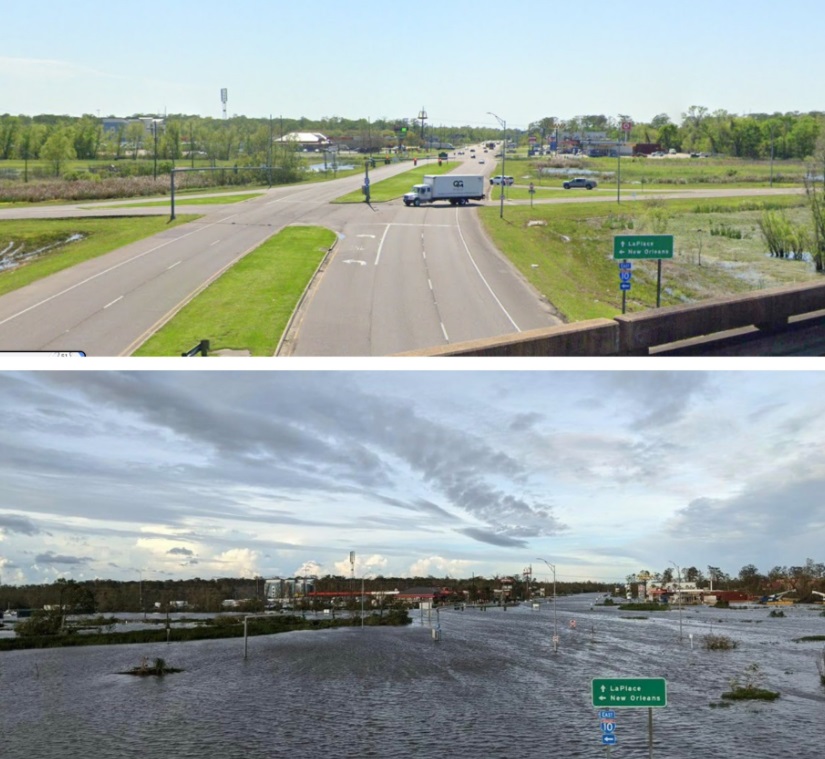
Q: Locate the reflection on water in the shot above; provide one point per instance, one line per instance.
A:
(491, 687)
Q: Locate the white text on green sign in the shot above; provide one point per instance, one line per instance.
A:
(625, 693)
(642, 246)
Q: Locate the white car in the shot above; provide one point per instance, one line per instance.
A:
(501, 179)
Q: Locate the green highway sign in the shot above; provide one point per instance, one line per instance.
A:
(629, 692)
(639, 247)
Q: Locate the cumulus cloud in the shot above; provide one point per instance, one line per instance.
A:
(439, 566)
(239, 562)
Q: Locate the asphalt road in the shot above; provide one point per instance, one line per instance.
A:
(425, 273)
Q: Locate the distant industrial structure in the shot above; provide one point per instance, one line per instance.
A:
(280, 590)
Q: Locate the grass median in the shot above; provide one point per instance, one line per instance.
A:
(566, 250)
(395, 187)
(182, 200)
(67, 242)
(248, 307)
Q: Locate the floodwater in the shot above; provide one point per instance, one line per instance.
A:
(491, 687)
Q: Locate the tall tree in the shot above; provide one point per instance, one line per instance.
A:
(58, 149)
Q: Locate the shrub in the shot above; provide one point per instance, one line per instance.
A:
(748, 686)
(719, 643)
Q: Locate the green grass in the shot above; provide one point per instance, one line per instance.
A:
(211, 200)
(568, 255)
(101, 236)
(395, 187)
(642, 174)
(249, 306)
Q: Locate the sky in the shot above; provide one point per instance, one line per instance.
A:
(523, 59)
(448, 473)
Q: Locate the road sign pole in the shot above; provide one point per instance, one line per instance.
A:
(650, 733)
(624, 299)
(659, 283)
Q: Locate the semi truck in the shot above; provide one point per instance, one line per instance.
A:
(455, 188)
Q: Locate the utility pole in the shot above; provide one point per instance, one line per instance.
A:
(271, 137)
(679, 591)
(155, 132)
(555, 622)
(503, 157)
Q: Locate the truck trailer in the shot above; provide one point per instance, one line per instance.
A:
(455, 188)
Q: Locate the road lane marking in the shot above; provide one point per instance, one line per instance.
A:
(430, 283)
(444, 332)
(112, 303)
(381, 244)
(211, 244)
(174, 265)
(105, 271)
(486, 283)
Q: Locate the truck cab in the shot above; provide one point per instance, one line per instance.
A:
(421, 193)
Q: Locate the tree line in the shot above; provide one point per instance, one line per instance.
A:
(109, 596)
(757, 135)
(804, 579)
(248, 140)
(105, 596)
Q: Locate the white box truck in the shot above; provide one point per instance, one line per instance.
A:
(456, 188)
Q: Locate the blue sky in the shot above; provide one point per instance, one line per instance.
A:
(442, 473)
(524, 59)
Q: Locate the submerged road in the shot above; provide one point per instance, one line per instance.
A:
(398, 279)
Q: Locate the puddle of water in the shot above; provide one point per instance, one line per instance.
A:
(12, 257)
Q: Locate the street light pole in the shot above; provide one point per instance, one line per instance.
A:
(555, 625)
(155, 131)
(679, 581)
(503, 157)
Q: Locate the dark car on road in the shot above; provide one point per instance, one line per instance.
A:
(588, 184)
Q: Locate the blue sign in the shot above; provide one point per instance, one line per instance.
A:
(624, 285)
(625, 276)
(608, 726)
(367, 181)
(625, 264)
(607, 714)
(609, 740)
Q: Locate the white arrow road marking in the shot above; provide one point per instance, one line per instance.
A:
(355, 261)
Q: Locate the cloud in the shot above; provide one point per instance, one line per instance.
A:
(180, 552)
(239, 562)
(52, 558)
(525, 422)
(494, 539)
(14, 523)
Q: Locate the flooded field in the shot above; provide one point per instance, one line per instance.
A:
(492, 686)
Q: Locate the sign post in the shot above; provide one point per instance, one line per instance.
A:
(611, 693)
(532, 192)
(628, 248)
